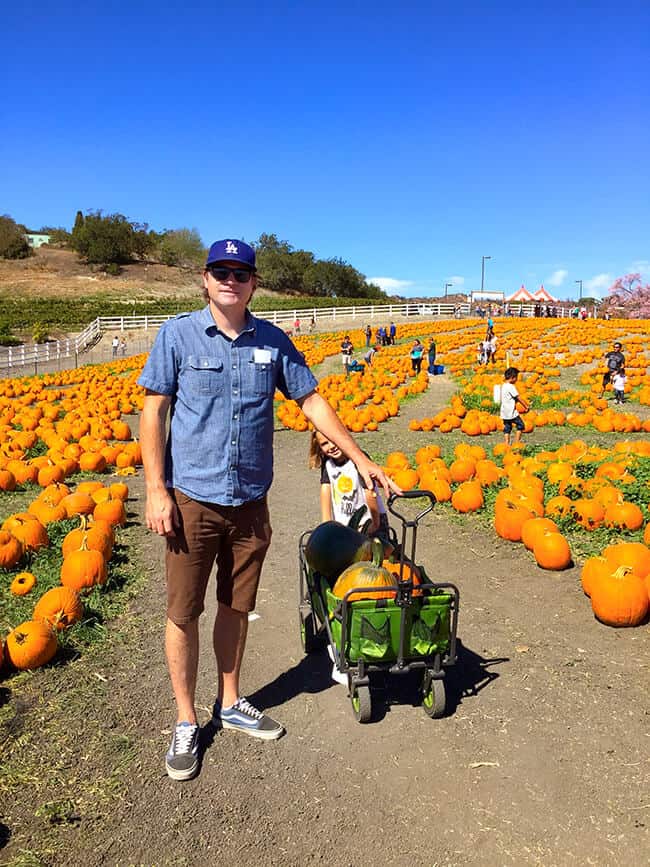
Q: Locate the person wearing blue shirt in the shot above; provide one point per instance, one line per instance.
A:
(214, 373)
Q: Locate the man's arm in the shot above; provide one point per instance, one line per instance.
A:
(324, 419)
(160, 509)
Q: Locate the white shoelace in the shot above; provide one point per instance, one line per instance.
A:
(246, 707)
(183, 738)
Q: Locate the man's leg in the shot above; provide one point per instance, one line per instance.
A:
(182, 649)
(229, 639)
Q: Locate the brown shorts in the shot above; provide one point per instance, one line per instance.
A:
(237, 537)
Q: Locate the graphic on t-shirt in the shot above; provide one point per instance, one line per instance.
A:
(345, 484)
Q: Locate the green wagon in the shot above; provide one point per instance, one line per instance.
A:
(414, 630)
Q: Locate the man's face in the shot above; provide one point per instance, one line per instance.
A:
(229, 284)
(617, 347)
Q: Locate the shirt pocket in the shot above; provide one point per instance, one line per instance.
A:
(263, 377)
(204, 374)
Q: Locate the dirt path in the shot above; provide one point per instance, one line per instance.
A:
(542, 759)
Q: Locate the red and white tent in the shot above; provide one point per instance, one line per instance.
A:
(543, 295)
(521, 294)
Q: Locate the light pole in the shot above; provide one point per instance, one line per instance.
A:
(579, 282)
(483, 258)
(447, 285)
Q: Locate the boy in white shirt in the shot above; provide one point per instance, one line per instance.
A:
(510, 400)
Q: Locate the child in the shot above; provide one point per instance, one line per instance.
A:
(618, 381)
(480, 352)
(342, 490)
(510, 400)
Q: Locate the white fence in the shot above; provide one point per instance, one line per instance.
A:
(28, 358)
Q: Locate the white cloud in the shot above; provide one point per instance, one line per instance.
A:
(600, 281)
(642, 266)
(557, 278)
(390, 284)
(457, 281)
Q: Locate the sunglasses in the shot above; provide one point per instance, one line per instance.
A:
(241, 275)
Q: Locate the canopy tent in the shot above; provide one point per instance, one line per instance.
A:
(521, 294)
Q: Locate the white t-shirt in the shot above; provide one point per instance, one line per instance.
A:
(618, 381)
(508, 395)
(347, 491)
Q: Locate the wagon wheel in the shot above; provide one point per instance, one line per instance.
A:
(308, 631)
(361, 703)
(433, 697)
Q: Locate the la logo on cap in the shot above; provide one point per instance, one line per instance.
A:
(231, 248)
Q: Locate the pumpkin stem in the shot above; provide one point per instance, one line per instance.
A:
(377, 552)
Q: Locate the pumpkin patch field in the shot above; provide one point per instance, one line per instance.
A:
(542, 757)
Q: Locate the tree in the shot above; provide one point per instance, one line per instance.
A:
(102, 239)
(145, 240)
(78, 221)
(182, 247)
(629, 298)
(13, 242)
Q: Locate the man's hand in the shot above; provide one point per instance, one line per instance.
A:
(161, 513)
(372, 472)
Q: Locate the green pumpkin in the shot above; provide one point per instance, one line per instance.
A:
(332, 547)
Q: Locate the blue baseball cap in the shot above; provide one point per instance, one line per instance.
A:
(235, 251)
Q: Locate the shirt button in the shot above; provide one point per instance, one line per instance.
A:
(235, 417)
(234, 442)
(234, 367)
(234, 391)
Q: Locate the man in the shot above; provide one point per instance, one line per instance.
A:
(392, 332)
(215, 372)
(115, 342)
(615, 361)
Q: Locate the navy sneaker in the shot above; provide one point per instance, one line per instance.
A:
(182, 759)
(243, 717)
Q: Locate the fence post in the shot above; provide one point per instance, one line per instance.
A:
(146, 323)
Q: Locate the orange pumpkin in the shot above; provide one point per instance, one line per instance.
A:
(83, 569)
(468, 497)
(22, 583)
(532, 528)
(620, 599)
(31, 645)
(552, 551)
(368, 575)
(11, 549)
(624, 516)
(60, 607)
(634, 555)
(593, 570)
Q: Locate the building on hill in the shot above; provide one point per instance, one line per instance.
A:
(36, 239)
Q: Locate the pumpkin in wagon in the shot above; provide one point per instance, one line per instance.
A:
(368, 575)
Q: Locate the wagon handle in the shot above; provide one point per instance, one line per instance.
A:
(411, 495)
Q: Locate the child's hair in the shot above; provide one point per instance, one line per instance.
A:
(621, 371)
(315, 453)
(511, 373)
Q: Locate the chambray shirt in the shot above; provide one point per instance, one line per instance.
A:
(220, 443)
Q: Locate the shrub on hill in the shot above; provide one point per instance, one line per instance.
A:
(13, 243)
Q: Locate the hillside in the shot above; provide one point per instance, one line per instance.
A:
(60, 274)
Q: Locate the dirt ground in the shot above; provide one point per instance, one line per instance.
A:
(542, 758)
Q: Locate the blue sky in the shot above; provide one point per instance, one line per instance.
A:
(409, 140)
